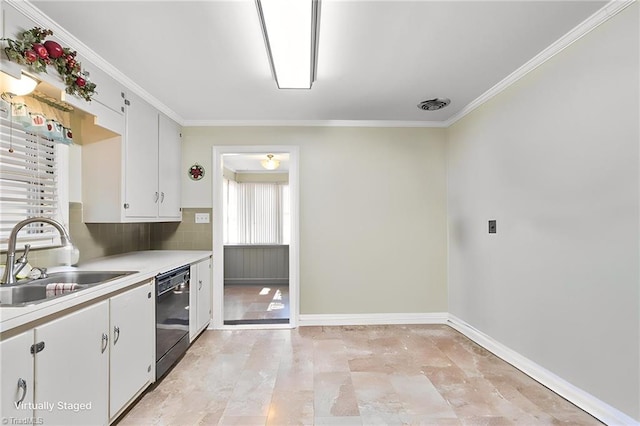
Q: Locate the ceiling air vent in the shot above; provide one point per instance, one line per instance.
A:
(434, 104)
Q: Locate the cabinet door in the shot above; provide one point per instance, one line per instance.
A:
(204, 293)
(72, 370)
(16, 364)
(141, 159)
(169, 151)
(132, 351)
(193, 302)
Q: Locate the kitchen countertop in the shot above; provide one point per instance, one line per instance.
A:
(147, 263)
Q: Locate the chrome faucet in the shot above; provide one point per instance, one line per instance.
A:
(12, 267)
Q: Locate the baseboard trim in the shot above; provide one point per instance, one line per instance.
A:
(372, 319)
(589, 403)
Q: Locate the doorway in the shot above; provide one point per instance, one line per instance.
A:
(255, 250)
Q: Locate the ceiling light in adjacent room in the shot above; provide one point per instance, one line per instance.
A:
(270, 163)
(290, 30)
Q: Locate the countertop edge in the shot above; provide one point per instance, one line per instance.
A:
(147, 263)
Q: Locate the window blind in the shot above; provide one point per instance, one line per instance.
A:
(260, 213)
(28, 185)
(256, 213)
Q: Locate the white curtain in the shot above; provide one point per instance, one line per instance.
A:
(256, 213)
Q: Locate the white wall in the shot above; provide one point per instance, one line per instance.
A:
(555, 160)
(372, 213)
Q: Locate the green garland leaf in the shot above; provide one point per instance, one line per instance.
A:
(21, 51)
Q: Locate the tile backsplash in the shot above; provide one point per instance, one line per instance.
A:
(105, 239)
(185, 235)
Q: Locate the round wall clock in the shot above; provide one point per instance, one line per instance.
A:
(196, 172)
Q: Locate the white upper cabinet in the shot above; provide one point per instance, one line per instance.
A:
(136, 177)
(141, 159)
(169, 155)
(130, 173)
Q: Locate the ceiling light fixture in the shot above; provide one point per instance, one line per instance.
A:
(270, 163)
(290, 30)
(11, 86)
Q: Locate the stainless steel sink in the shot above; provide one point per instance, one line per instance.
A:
(35, 291)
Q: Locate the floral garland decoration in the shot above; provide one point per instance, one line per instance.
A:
(32, 50)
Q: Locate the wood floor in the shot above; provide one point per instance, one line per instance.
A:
(246, 303)
(356, 375)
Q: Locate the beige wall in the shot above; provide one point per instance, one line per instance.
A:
(558, 170)
(372, 212)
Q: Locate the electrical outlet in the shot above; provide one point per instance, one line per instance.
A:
(492, 226)
(202, 217)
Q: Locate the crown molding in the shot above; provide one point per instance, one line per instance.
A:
(604, 14)
(312, 123)
(36, 15)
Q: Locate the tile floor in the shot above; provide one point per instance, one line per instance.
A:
(356, 375)
(256, 302)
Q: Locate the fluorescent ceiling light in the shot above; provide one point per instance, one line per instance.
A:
(290, 33)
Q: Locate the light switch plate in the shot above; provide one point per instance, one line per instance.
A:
(202, 217)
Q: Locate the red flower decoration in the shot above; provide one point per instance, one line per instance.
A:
(196, 172)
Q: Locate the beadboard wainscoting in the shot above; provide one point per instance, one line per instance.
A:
(256, 264)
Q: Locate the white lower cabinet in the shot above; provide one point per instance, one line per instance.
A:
(16, 386)
(132, 345)
(199, 297)
(84, 367)
(72, 368)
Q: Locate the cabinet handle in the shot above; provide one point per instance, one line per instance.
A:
(155, 200)
(22, 384)
(116, 335)
(200, 286)
(105, 342)
(162, 197)
(38, 347)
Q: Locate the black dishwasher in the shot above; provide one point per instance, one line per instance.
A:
(172, 317)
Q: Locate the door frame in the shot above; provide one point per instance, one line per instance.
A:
(218, 232)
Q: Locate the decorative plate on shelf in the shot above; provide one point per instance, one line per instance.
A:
(196, 172)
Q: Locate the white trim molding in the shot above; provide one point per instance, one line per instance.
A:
(601, 16)
(612, 8)
(589, 403)
(218, 228)
(372, 319)
(313, 123)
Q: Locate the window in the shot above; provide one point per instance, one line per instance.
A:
(256, 213)
(30, 183)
